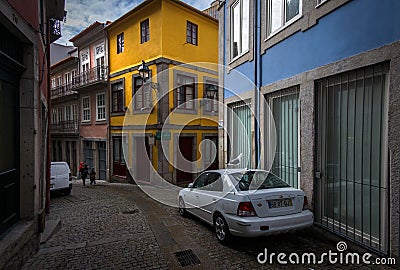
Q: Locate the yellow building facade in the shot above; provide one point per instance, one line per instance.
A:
(160, 126)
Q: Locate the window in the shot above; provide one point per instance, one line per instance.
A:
(281, 13)
(67, 81)
(73, 76)
(100, 107)
(85, 60)
(85, 109)
(60, 114)
(88, 153)
(239, 139)
(139, 95)
(54, 119)
(120, 43)
(59, 81)
(53, 83)
(285, 107)
(185, 92)
(144, 31)
(240, 24)
(117, 97)
(75, 115)
(201, 181)
(100, 62)
(68, 113)
(191, 33)
(67, 78)
(85, 72)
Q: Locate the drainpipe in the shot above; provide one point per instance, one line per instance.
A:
(222, 73)
(48, 158)
(257, 80)
(109, 139)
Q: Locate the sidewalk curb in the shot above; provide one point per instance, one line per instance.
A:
(51, 227)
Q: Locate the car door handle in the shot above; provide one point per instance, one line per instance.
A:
(197, 196)
(214, 199)
(52, 178)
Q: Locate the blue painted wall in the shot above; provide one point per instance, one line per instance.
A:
(358, 26)
(240, 79)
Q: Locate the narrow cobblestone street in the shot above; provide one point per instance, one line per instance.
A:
(116, 226)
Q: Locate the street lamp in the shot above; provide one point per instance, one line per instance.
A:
(211, 92)
(144, 71)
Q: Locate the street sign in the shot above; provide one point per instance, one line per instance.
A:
(163, 135)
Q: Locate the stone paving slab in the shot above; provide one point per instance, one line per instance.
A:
(116, 226)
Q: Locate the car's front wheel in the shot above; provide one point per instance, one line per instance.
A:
(182, 209)
(221, 229)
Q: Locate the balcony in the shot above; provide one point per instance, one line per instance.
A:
(62, 91)
(92, 76)
(70, 126)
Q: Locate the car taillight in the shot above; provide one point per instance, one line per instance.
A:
(246, 209)
(305, 203)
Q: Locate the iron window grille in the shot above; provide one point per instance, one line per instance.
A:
(352, 181)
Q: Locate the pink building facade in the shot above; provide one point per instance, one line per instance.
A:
(91, 84)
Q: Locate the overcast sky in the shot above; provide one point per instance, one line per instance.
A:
(82, 13)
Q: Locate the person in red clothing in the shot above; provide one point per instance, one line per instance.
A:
(84, 173)
(81, 165)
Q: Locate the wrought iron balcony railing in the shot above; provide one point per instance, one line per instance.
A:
(94, 75)
(63, 90)
(69, 126)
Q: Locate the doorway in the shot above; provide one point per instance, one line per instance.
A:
(9, 145)
(143, 162)
(184, 161)
(352, 196)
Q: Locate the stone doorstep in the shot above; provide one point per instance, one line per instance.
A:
(51, 227)
(14, 241)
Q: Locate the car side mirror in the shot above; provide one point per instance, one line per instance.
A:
(190, 185)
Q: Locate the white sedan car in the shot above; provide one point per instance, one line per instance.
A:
(245, 202)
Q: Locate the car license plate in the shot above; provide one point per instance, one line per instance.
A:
(280, 203)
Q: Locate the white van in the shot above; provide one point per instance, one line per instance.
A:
(60, 179)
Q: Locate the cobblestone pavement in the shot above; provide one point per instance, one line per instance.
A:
(115, 226)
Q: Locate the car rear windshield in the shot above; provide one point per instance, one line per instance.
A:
(254, 180)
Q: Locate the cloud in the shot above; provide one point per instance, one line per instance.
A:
(82, 13)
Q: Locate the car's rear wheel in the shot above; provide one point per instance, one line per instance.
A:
(221, 229)
(182, 209)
